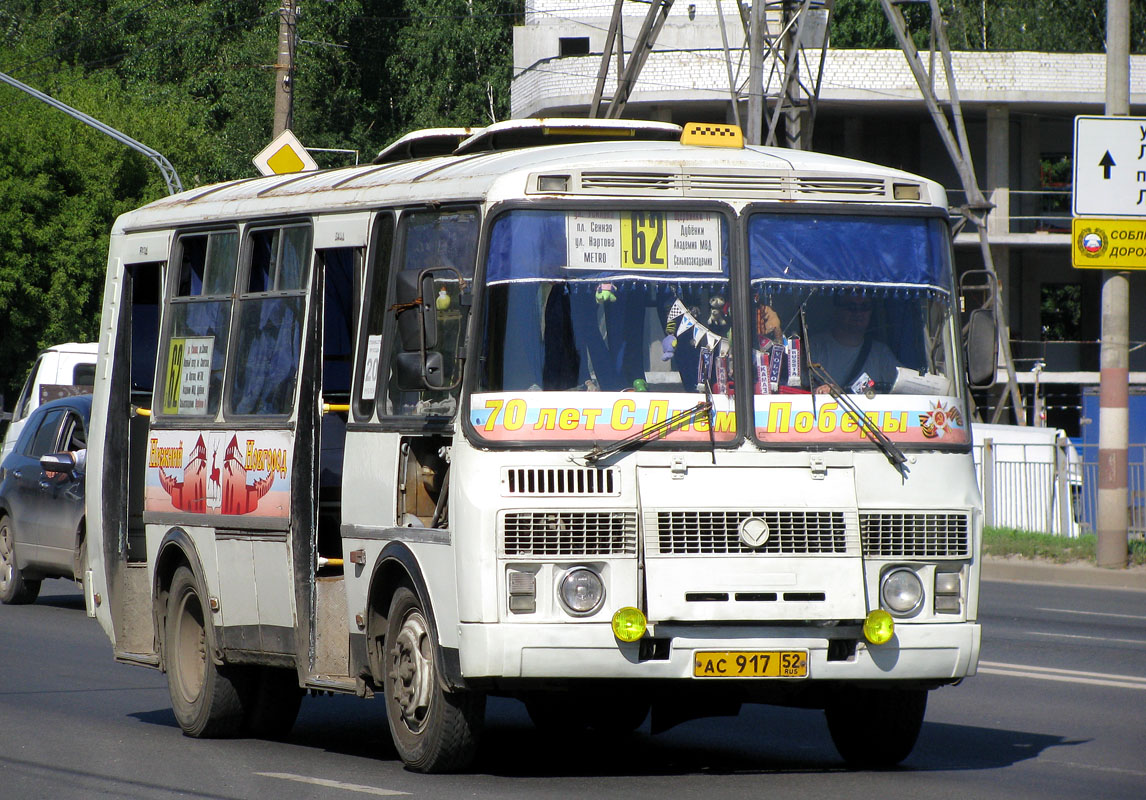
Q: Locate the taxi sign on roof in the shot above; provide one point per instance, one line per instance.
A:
(284, 155)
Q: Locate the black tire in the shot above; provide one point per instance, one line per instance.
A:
(206, 699)
(271, 702)
(15, 589)
(433, 730)
(876, 728)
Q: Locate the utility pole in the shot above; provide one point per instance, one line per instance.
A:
(756, 74)
(284, 68)
(1114, 355)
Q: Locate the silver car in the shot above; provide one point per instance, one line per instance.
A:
(42, 500)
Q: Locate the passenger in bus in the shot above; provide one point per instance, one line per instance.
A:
(849, 351)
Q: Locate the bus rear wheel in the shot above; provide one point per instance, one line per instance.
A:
(434, 730)
(876, 728)
(206, 699)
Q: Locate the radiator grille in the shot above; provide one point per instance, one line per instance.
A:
(717, 533)
(897, 535)
(569, 533)
(567, 481)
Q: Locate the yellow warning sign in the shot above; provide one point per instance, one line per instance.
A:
(283, 156)
(1098, 243)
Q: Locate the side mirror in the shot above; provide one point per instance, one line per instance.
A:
(413, 374)
(982, 340)
(417, 317)
(58, 462)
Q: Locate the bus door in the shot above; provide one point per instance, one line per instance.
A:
(326, 387)
(255, 468)
(118, 447)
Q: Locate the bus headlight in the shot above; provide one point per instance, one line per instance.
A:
(901, 591)
(582, 591)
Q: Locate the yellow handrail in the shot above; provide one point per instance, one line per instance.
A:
(142, 412)
(329, 407)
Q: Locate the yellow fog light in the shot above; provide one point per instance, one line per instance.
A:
(878, 627)
(629, 624)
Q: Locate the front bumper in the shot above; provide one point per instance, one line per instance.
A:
(929, 652)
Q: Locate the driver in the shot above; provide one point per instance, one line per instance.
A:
(848, 351)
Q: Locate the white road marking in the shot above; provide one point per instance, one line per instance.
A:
(1092, 613)
(1062, 675)
(350, 787)
(1090, 638)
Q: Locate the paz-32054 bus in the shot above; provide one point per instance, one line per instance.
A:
(590, 414)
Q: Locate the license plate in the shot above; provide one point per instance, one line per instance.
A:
(750, 664)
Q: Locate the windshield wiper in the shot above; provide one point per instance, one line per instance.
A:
(890, 449)
(646, 435)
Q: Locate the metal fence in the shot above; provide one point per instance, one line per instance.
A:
(1031, 486)
(1135, 489)
(1053, 488)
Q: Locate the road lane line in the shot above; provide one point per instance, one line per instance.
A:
(1091, 613)
(1090, 638)
(1062, 675)
(350, 787)
(1104, 675)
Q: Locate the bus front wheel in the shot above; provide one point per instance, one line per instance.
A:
(876, 728)
(434, 730)
(206, 698)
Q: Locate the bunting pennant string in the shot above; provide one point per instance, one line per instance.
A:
(686, 321)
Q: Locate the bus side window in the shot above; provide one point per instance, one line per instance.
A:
(268, 338)
(442, 240)
(200, 322)
(374, 316)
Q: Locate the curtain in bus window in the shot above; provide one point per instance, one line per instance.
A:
(267, 355)
(337, 321)
(822, 249)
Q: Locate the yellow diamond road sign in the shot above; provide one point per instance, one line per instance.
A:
(284, 155)
(1108, 243)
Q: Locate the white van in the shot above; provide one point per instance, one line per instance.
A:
(59, 371)
(1036, 480)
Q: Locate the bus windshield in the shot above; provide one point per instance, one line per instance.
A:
(858, 305)
(626, 314)
(601, 324)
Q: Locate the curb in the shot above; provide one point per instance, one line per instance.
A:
(1023, 570)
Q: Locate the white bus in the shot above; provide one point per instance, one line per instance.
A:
(550, 417)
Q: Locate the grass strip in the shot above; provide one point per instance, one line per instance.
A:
(1047, 546)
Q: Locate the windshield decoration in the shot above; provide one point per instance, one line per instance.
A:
(576, 416)
(901, 418)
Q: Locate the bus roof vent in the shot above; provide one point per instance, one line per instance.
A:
(835, 187)
(564, 481)
(534, 132)
(424, 144)
(630, 182)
